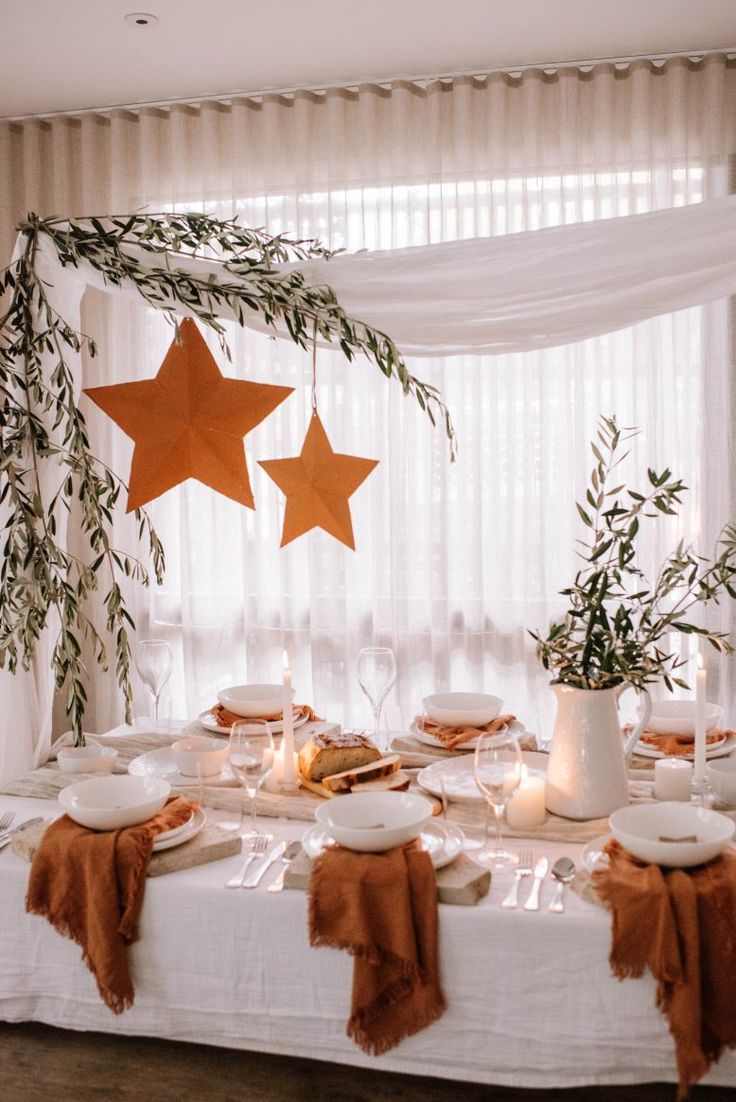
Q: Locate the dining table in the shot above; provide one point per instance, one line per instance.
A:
(531, 1001)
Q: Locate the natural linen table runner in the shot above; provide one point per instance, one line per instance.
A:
(681, 924)
(90, 886)
(382, 909)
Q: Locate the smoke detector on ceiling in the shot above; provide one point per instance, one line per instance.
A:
(140, 19)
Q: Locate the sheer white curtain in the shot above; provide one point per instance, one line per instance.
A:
(453, 562)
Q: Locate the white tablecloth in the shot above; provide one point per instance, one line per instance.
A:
(531, 1001)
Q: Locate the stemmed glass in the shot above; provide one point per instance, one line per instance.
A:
(154, 661)
(251, 759)
(376, 677)
(497, 766)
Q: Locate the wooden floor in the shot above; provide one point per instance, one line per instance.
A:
(41, 1064)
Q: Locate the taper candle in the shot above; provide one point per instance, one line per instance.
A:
(287, 744)
(699, 764)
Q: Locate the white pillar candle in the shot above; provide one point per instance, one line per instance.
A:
(525, 808)
(275, 779)
(699, 773)
(287, 744)
(672, 779)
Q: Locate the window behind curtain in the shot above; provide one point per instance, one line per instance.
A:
(454, 562)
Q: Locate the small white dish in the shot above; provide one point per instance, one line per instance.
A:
(640, 827)
(209, 722)
(253, 700)
(721, 775)
(677, 717)
(160, 763)
(459, 779)
(372, 822)
(443, 841)
(110, 803)
(725, 746)
(462, 709)
(91, 758)
(168, 839)
(199, 755)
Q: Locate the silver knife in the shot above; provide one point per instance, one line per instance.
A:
(253, 879)
(540, 871)
(290, 853)
(7, 837)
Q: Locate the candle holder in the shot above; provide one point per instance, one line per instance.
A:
(701, 793)
(275, 782)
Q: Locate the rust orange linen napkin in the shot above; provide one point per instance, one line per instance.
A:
(90, 885)
(452, 737)
(681, 924)
(382, 909)
(225, 718)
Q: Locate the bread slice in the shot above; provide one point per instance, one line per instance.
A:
(343, 782)
(397, 782)
(317, 787)
(335, 752)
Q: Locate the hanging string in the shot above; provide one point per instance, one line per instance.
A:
(314, 368)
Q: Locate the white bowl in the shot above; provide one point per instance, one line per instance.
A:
(209, 754)
(721, 774)
(253, 700)
(86, 759)
(639, 828)
(109, 803)
(677, 717)
(372, 822)
(462, 709)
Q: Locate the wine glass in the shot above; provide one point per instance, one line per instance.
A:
(251, 759)
(376, 677)
(497, 766)
(154, 661)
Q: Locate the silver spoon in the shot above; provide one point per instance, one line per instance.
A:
(563, 871)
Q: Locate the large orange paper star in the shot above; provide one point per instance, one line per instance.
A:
(317, 485)
(188, 422)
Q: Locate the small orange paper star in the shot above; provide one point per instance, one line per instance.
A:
(317, 485)
(188, 422)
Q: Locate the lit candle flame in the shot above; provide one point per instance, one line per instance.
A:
(700, 661)
(285, 659)
(524, 772)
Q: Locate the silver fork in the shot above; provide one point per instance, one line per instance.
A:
(524, 868)
(6, 820)
(257, 849)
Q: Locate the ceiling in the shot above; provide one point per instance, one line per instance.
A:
(57, 56)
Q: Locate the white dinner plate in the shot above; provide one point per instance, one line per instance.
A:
(166, 834)
(160, 763)
(460, 786)
(594, 858)
(716, 750)
(193, 827)
(517, 728)
(442, 841)
(209, 722)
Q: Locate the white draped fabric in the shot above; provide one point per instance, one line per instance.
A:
(454, 562)
(513, 293)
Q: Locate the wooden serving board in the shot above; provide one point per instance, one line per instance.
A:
(211, 844)
(463, 882)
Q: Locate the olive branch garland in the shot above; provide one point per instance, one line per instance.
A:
(42, 584)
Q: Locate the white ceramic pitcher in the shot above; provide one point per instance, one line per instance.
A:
(587, 771)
